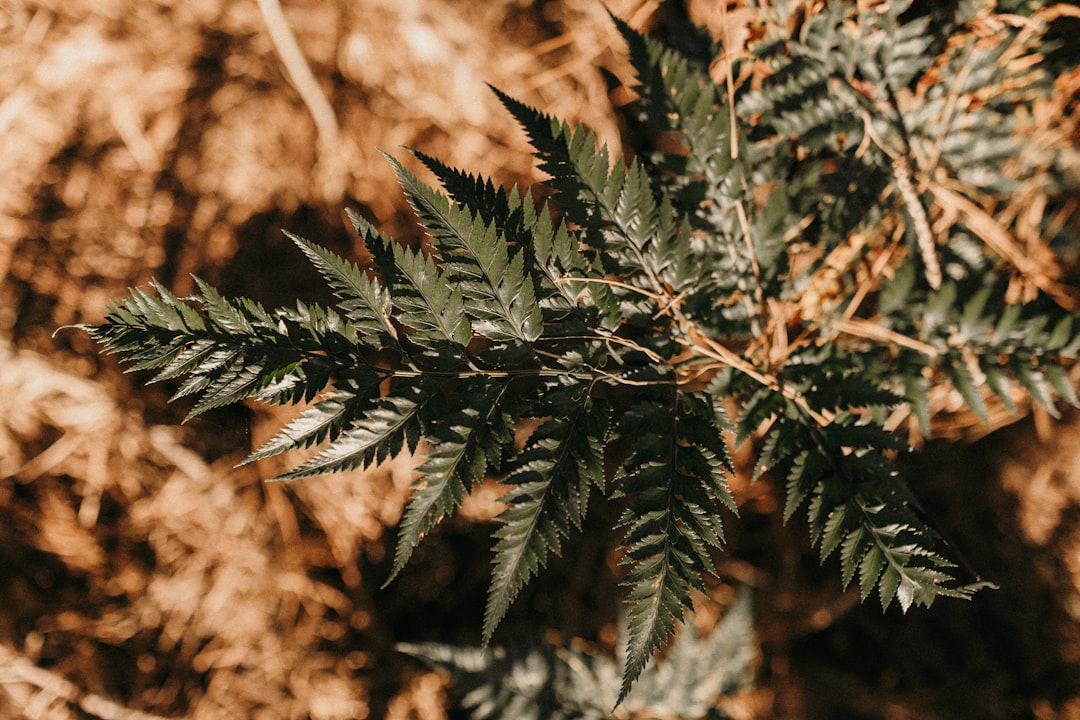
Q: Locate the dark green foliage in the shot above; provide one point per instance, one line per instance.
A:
(567, 683)
(780, 260)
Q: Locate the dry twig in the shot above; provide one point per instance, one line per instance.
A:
(322, 112)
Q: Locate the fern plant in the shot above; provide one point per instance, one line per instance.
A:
(554, 682)
(805, 242)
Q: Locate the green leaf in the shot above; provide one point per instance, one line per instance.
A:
(854, 546)
(938, 307)
(675, 477)
(1007, 322)
(917, 392)
(497, 292)
(1061, 335)
(433, 308)
(221, 313)
(556, 143)
(363, 300)
(973, 322)
(658, 596)
(807, 472)
(1034, 382)
(891, 583)
(835, 530)
(386, 427)
(491, 202)
(560, 465)
(870, 570)
(461, 449)
(964, 381)
(187, 359)
(326, 420)
(1059, 380)
(1000, 384)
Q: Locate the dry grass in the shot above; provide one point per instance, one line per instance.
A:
(197, 577)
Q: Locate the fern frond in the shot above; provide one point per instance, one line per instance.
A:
(429, 306)
(325, 421)
(231, 350)
(363, 299)
(981, 344)
(504, 683)
(675, 477)
(677, 93)
(858, 503)
(558, 469)
(572, 276)
(463, 442)
(570, 156)
(388, 426)
(546, 681)
(698, 671)
(497, 292)
(608, 197)
(771, 241)
(491, 202)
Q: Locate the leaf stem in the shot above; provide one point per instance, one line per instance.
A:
(702, 344)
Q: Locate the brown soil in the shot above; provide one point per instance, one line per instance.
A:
(145, 576)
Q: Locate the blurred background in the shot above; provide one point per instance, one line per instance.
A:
(143, 575)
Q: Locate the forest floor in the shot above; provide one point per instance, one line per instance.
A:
(143, 575)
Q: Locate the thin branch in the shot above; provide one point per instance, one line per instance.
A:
(902, 174)
(705, 346)
(656, 297)
(923, 233)
(322, 112)
(729, 82)
(614, 340)
(873, 331)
